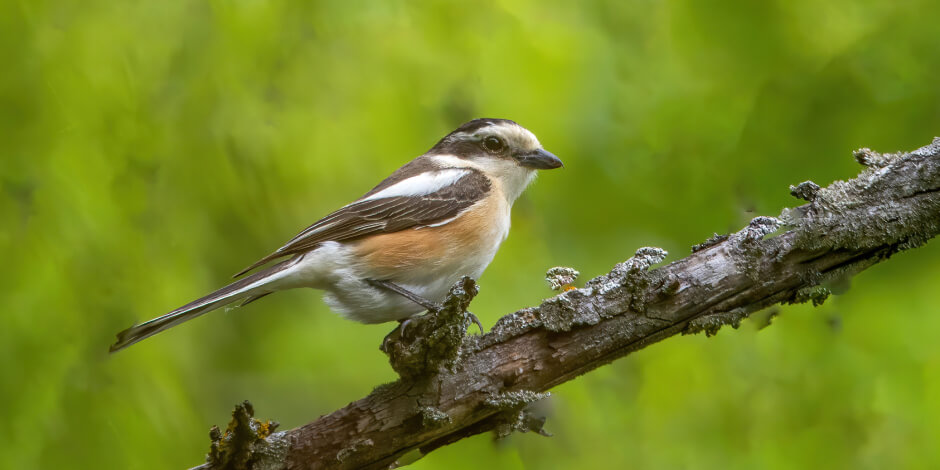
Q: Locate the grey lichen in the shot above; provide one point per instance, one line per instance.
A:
(747, 250)
(806, 191)
(644, 258)
(628, 281)
(895, 201)
(514, 400)
(558, 314)
(433, 342)
(757, 229)
(521, 421)
(561, 277)
(746, 246)
(517, 412)
(630, 273)
(247, 443)
(712, 241)
(511, 325)
(432, 417)
(710, 324)
(870, 158)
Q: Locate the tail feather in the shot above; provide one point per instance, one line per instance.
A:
(249, 288)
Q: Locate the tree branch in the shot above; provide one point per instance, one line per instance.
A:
(453, 386)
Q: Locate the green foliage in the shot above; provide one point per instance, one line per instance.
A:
(150, 149)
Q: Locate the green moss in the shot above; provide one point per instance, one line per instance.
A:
(247, 443)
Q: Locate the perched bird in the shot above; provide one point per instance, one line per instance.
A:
(396, 251)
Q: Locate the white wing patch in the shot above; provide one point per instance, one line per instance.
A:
(422, 184)
(418, 185)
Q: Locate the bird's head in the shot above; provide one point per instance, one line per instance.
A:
(503, 150)
(496, 142)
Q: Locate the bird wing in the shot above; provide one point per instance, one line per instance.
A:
(428, 198)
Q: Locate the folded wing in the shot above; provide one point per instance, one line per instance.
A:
(427, 198)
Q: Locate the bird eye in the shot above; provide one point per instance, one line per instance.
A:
(493, 144)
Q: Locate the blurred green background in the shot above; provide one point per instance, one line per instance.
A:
(151, 149)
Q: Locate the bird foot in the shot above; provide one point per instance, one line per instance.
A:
(475, 320)
(398, 332)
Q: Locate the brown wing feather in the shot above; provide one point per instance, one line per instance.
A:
(386, 215)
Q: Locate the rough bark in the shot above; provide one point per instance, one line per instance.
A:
(453, 386)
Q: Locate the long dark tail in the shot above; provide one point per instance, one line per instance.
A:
(249, 288)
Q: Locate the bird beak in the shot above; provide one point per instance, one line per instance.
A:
(540, 160)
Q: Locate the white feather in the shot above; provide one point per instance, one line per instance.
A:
(422, 184)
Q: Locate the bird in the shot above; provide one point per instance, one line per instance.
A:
(396, 251)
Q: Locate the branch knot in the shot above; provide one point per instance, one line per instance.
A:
(432, 342)
(247, 443)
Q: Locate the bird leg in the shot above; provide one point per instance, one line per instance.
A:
(427, 304)
(476, 320)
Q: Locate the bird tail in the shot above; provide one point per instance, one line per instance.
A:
(249, 288)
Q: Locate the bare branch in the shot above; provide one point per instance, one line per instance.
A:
(454, 386)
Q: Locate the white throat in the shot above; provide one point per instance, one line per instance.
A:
(509, 176)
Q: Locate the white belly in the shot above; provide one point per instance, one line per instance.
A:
(341, 271)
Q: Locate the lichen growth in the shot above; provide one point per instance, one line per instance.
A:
(711, 323)
(559, 314)
(712, 241)
(746, 246)
(622, 273)
(432, 417)
(561, 277)
(631, 278)
(816, 294)
(514, 400)
(628, 280)
(806, 191)
(870, 158)
(521, 421)
(757, 229)
(893, 202)
(515, 323)
(645, 257)
(517, 412)
(433, 342)
(247, 443)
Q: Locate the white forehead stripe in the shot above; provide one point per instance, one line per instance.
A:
(421, 184)
(519, 136)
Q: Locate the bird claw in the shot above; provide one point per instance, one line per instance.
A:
(400, 330)
(404, 324)
(438, 307)
(476, 320)
(432, 308)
